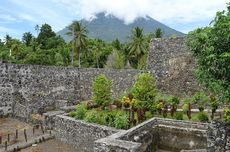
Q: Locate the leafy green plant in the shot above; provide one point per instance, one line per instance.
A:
(214, 105)
(187, 107)
(80, 111)
(201, 100)
(121, 122)
(101, 118)
(91, 116)
(227, 114)
(148, 115)
(179, 116)
(110, 117)
(202, 117)
(174, 101)
(144, 89)
(101, 87)
(160, 106)
(72, 114)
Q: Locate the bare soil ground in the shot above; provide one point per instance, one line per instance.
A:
(51, 146)
(8, 126)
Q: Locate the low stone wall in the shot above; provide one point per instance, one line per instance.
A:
(219, 137)
(156, 134)
(79, 133)
(152, 135)
(140, 138)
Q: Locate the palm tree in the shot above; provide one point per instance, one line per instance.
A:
(37, 28)
(137, 46)
(78, 32)
(27, 38)
(7, 40)
(158, 33)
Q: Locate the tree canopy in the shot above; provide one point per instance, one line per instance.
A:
(211, 48)
(47, 48)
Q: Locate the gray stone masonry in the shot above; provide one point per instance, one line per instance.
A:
(219, 137)
(26, 89)
(173, 65)
(79, 133)
(49, 119)
(151, 135)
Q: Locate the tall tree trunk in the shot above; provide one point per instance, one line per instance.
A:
(79, 57)
(73, 46)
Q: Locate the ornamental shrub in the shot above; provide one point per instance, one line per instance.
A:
(101, 87)
(227, 114)
(121, 122)
(80, 111)
(202, 117)
(91, 116)
(201, 100)
(144, 89)
(179, 116)
(72, 114)
(110, 117)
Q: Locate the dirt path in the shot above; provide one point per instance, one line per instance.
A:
(51, 146)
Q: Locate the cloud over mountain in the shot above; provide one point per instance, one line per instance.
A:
(183, 15)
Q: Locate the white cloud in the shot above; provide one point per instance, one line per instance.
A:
(180, 11)
(60, 13)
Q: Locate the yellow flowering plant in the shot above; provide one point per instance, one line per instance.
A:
(127, 102)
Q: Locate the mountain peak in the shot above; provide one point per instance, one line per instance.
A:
(108, 27)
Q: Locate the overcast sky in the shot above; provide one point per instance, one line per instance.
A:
(19, 16)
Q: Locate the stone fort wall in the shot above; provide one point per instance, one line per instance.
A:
(26, 89)
(173, 66)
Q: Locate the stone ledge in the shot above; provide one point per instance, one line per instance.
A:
(120, 142)
(195, 150)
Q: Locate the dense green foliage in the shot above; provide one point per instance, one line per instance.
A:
(210, 46)
(179, 116)
(227, 114)
(50, 49)
(121, 121)
(202, 117)
(144, 90)
(80, 112)
(116, 118)
(101, 88)
(201, 100)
